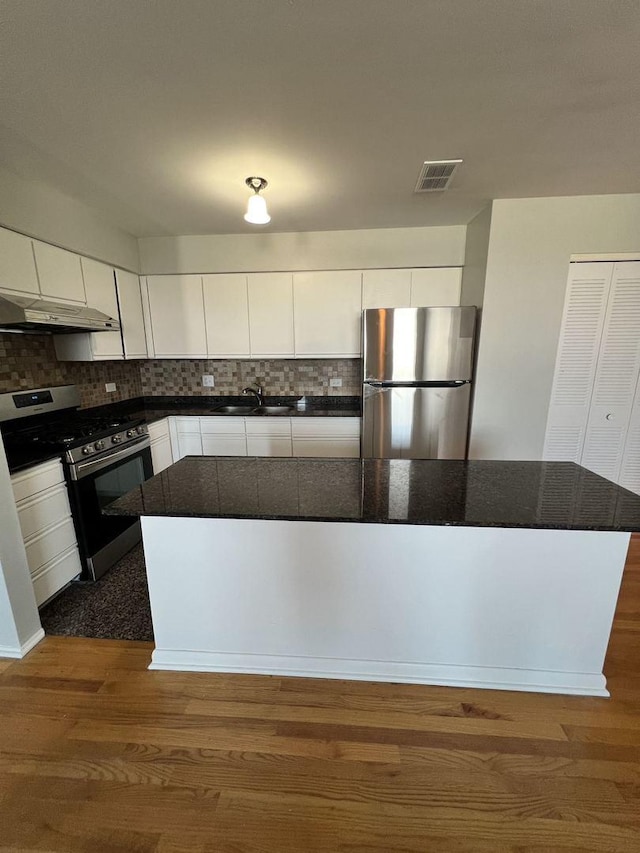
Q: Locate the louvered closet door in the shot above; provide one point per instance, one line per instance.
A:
(577, 358)
(616, 375)
(630, 467)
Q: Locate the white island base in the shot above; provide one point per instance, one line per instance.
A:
(516, 609)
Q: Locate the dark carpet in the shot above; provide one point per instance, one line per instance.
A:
(116, 607)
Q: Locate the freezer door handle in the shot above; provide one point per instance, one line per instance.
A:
(454, 383)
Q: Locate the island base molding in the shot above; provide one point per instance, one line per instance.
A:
(500, 608)
(487, 678)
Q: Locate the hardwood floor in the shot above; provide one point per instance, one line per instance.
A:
(98, 754)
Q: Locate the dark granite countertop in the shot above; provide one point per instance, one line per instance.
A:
(556, 495)
(20, 460)
(152, 409)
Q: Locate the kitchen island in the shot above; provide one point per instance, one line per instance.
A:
(478, 573)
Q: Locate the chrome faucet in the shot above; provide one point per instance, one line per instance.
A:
(257, 391)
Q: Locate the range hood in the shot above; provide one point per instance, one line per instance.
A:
(25, 314)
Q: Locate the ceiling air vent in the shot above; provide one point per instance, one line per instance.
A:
(436, 175)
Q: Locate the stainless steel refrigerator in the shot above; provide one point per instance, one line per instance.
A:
(417, 382)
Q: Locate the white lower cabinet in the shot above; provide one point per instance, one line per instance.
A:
(185, 437)
(47, 528)
(268, 436)
(223, 436)
(161, 453)
(262, 436)
(333, 437)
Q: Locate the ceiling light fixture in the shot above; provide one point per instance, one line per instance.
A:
(257, 212)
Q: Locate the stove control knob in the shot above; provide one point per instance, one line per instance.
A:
(99, 445)
(87, 450)
(131, 433)
(141, 430)
(116, 439)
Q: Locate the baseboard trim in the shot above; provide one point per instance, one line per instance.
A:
(33, 640)
(25, 648)
(444, 675)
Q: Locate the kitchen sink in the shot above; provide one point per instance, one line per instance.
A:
(272, 410)
(234, 410)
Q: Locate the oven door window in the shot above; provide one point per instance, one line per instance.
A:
(117, 481)
(94, 492)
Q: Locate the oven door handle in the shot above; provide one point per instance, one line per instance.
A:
(79, 470)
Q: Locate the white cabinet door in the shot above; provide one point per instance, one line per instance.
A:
(336, 437)
(59, 273)
(576, 360)
(328, 312)
(161, 455)
(616, 375)
(435, 286)
(271, 315)
(176, 312)
(131, 315)
(386, 289)
(226, 310)
(268, 436)
(100, 289)
(17, 264)
(189, 444)
(223, 436)
(329, 447)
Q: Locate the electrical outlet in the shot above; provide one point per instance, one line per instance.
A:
(335, 382)
(109, 387)
(208, 381)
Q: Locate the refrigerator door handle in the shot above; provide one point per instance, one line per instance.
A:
(453, 383)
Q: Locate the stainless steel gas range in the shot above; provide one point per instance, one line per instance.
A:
(104, 457)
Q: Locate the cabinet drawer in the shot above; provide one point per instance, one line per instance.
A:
(45, 510)
(222, 426)
(48, 545)
(37, 479)
(276, 426)
(224, 445)
(321, 427)
(329, 447)
(159, 429)
(56, 574)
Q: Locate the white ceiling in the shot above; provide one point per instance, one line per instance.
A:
(154, 111)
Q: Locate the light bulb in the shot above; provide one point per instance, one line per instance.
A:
(257, 212)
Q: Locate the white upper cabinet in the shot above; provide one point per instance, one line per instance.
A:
(271, 315)
(17, 264)
(434, 286)
(131, 315)
(100, 288)
(176, 313)
(226, 309)
(328, 311)
(59, 273)
(386, 289)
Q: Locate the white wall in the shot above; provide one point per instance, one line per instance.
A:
(305, 250)
(19, 620)
(43, 212)
(475, 259)
(530, 244)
